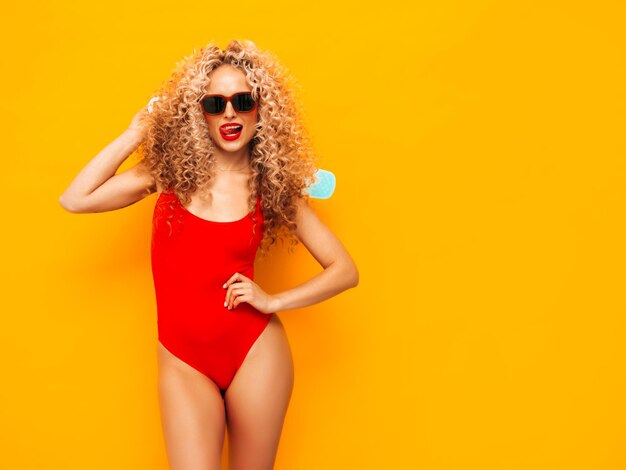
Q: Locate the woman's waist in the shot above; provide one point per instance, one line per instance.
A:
(203, 311)
(209, 273)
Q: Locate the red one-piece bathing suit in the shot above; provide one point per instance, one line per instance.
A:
(191, 259)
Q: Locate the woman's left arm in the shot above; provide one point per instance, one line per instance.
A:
(340, 273)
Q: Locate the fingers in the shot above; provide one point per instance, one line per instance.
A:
(235, 296)
(233, 293)
(237, 285)
(245, 297)
(233, 278)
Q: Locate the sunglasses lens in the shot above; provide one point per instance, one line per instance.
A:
(243, 102)
(213, 104)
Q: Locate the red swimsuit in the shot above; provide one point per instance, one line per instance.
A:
(191, 260)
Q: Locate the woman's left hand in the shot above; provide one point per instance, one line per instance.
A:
(243, 289)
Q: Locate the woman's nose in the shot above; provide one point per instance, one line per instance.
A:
(229, 111)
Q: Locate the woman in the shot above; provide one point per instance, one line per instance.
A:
(224, 139)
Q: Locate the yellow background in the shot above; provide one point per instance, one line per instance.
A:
(479, 155)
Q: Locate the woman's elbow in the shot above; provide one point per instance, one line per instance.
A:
(346, 272)
(70, 204)
(353, 275)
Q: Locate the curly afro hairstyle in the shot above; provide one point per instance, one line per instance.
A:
(178, 150)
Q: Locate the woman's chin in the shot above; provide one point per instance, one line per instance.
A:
(231, 145)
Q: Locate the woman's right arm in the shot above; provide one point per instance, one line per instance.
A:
(98, 189)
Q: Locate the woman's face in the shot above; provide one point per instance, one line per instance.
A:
(227, 80)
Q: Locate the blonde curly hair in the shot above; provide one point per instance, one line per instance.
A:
(178, 151)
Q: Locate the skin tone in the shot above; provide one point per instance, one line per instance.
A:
(194, 415)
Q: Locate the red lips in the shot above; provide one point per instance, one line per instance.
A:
(231, 131)
(226, 128)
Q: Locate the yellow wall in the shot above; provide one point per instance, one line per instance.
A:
(479, 154)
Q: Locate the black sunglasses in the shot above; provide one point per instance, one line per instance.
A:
(216, 104)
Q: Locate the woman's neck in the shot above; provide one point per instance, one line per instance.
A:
(236, 161)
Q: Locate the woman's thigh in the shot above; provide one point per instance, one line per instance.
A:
(192, 415)
(257, 400)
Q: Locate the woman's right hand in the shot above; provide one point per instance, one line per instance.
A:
(137, 125)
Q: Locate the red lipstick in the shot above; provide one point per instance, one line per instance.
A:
(231, 131)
